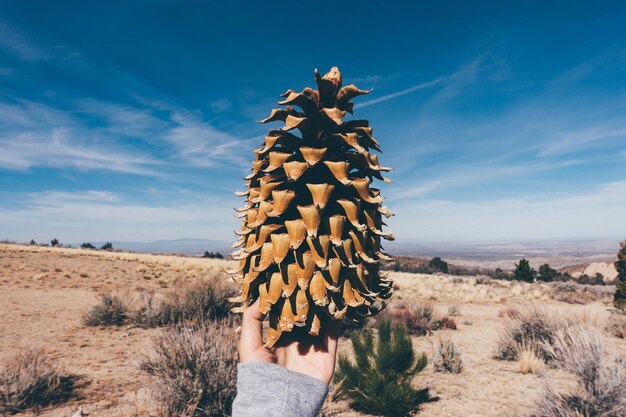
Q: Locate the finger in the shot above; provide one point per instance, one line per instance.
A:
(331, 336)
(251, 331)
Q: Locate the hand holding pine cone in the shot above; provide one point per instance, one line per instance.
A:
(309, 244)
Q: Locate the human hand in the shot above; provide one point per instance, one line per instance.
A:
(314, 356)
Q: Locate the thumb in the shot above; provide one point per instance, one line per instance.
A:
(251, 337)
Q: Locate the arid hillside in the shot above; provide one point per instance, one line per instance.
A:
(45, 294)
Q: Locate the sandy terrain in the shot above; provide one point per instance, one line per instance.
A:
(45, 291)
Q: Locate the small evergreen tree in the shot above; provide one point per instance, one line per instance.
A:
(54, 242)
(87, 245)
(32, 242)
(598, 279)
(546, 273)
(438, 265)
(380, 381)
(619, 298)
(107, 246)
(523, 271)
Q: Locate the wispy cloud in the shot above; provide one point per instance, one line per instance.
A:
(96, 135)
(100, 215)
(56, 198)
(574, 141)
(14, 40)
(36, 135)
(401, 93)
(203, 145)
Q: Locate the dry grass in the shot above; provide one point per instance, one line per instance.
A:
(530, 361)
(28, 380)
(467, 289)
(195, 370)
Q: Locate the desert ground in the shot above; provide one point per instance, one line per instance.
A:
(45, 292)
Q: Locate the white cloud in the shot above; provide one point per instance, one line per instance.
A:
(38, 135)
(596, 213)
(103, 216)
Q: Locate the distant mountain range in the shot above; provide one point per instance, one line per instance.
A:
(506, 250)
(478, 251)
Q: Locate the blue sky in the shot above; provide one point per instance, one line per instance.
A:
(135, 121)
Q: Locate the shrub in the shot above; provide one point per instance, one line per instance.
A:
(600, 382)
(529, 328)
(111, 311)
(32, 242)
(617, 324)
(444, 322)
(380, 380)
(54, 242)
(107, 246)
(195, 370)
(415, 321)
(28, 380)
(418, 320)
(499, 273)
(439, 265)
(446, 356)
(207, 299)
(454, 311)
(619, 298)
(523, 271)
(87, 245)
(546, 273)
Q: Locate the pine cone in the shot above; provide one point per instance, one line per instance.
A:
(309, 245)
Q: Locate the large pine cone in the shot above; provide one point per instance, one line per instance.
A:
(310, 237)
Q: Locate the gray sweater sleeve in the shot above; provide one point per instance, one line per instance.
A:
(269, 390)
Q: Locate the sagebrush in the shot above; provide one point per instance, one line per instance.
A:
(29, 380)
(110, 311)
(198, 300)
(419, 320)
(600, 380)
(195, 369)
(205, 299)
(446, 356)
(532, 327)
